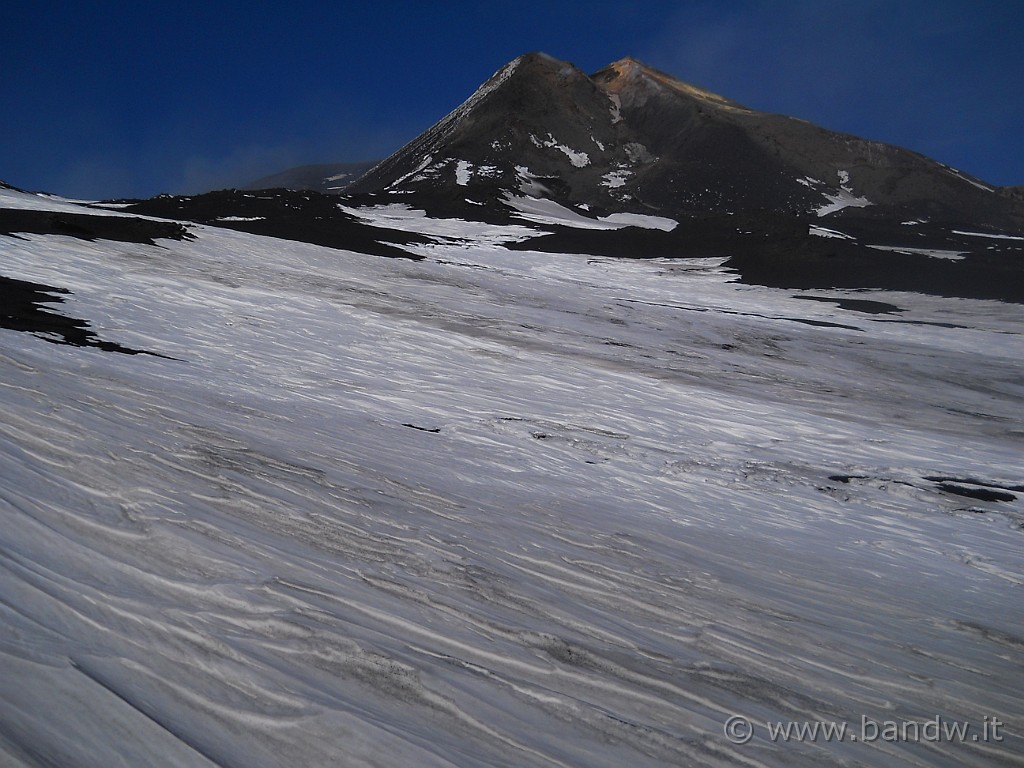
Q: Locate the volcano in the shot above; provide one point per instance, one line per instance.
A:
(631, 138)
(631, 162)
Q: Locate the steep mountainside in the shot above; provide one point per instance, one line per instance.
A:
(632, 138)
(323, 177)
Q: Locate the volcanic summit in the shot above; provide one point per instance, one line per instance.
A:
(629, 137)
(632, 162)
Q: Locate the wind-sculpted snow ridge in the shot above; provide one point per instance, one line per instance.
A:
(498, 508)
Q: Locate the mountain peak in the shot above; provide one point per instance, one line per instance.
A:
(627, 64)
(535, 63)
(631, 75)
(633, 138)
(537, 56)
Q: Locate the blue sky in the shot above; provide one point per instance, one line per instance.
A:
(106, 99)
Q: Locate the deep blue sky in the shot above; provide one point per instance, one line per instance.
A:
(105, 99)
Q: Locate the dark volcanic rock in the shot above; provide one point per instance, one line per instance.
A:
(982, 494)
(22, 309)
(509, 123)
(856, 305)
(698, 235)
(630, 138)
(789, 203)
(939, 261)
(129, 229)
(309, 217)
(328, 178)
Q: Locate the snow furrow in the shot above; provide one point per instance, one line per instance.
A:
(495, 508)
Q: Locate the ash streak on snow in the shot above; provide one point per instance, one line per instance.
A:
(623, 530)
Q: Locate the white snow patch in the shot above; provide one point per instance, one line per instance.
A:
(432, 172)
(458, 231)
(616, 178)
(987, 234)
(643, 220)
(241, 218)
(599, 144)
(843, 198)
(544, 211)
(824, 232)
(423, 164)
(840, 200)
(935, 253)
(616, 108)
(578, 159)
(964, 177)
(10, 198)
(529, 183)
(463, 172)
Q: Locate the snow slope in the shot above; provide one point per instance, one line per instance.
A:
(498, 508)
